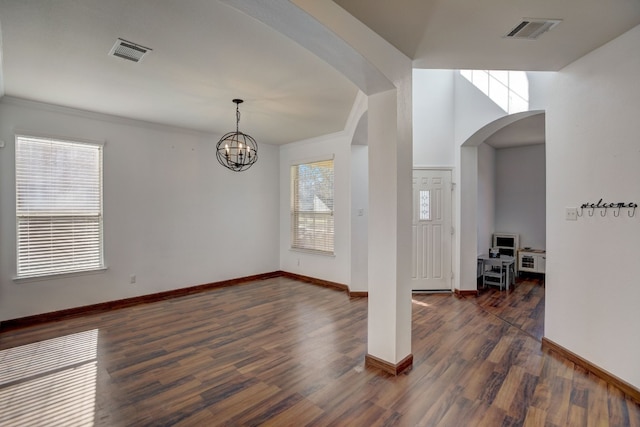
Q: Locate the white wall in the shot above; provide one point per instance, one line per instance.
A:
(172, 215)
(486, 196)
(593, 296)
(540, 84)
(433, 118)
(333, 268)
(521, 194)
(359, 217)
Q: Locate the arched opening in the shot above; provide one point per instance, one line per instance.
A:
(469, 202)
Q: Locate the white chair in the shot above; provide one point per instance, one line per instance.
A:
(493, 273)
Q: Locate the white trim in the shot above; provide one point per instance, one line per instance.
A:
(312, 252)
(439, 168)
(28, 279)
(1, 65)
(313, 159)
(43, 135)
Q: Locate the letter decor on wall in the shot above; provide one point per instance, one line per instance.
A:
(591, 208)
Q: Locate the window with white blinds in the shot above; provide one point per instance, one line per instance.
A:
(312, 207)
(58, 206)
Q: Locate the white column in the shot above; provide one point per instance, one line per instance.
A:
(389, 323)
(467, 237)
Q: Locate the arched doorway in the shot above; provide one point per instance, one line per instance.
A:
(468, 209)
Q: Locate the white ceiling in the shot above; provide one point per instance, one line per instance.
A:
(206, 53)
(464, 34)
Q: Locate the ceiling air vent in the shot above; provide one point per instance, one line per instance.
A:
(531, 29)
(128, 50)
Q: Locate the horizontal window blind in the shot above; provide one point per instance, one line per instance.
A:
(58, 206)
(312, 206)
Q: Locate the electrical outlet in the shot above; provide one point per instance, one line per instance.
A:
(132, 279)
(571, 214)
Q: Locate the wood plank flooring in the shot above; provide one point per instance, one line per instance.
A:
(522, 306)
(280, 352)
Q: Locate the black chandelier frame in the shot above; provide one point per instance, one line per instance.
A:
(237, 151)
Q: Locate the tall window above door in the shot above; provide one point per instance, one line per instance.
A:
(58, 206)
(312, 220)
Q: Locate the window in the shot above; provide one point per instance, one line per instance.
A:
(312, 206)
(425, 205)
(508, 89)
(58, 206)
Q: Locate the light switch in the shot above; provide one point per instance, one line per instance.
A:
(571, 214)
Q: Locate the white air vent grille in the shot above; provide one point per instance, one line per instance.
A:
(128, 50)
(531, 29)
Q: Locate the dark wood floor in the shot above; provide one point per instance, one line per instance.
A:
(285, 353)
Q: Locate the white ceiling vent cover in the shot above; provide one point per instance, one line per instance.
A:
(128, 50)
(531, 28)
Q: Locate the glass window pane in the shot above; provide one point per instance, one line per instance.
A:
(58, 206)
(508, 89)
(499, 93)
(312, 206)
(501, 76)
(519, 83)
(425, 205)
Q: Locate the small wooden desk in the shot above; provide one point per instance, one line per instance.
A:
(508, 262)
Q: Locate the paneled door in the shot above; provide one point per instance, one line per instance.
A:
(432, 230)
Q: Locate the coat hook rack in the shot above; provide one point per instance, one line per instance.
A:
(591, 208)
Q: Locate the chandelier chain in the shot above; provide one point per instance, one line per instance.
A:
(237, 118)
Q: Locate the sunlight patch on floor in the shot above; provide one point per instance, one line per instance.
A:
(51, 382)
(424, 304)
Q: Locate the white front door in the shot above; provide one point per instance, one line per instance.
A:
(432, 231)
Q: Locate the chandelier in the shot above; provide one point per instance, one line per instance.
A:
(236, 150)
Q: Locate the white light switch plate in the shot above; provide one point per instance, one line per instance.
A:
(571, 214)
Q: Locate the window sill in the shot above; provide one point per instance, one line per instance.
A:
(312, 252)
(28, 279)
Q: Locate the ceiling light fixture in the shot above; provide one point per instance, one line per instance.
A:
(236, 150)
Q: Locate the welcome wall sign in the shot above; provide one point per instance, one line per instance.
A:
(615, 207)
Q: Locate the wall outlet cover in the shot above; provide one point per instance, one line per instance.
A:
(571, 214)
